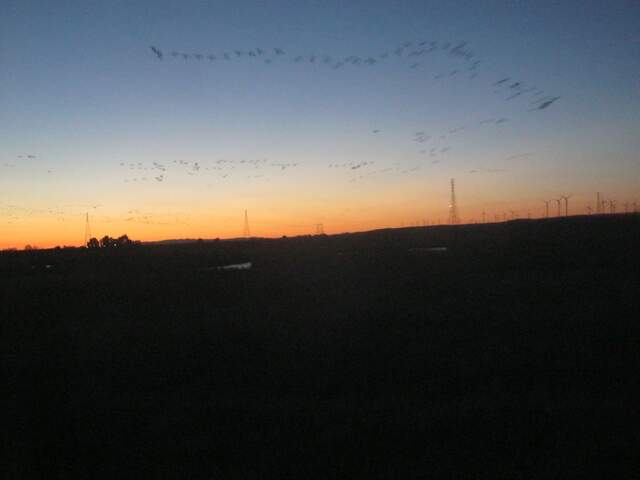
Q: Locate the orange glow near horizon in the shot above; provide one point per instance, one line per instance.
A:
(269, 219)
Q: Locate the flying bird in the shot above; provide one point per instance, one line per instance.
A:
(546, 103)
(157, 52)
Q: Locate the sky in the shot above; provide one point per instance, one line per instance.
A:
(354, 115)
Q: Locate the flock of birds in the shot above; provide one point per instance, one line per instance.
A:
(413, 52)
(14, 213)
(429, 146)
(222, 168)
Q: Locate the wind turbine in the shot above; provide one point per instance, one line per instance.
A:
(566, 203)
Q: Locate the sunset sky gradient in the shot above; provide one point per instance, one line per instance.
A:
(82, 93)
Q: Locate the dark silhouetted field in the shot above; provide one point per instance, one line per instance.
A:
(514, 354)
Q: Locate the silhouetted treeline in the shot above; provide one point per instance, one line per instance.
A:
(108, 242)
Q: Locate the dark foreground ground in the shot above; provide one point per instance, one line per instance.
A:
(515, 354)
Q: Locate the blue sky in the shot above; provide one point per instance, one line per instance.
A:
(83, 93)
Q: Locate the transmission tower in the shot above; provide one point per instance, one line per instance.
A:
(453, 207)
(319, 229)
(87, 230)
(247, 232)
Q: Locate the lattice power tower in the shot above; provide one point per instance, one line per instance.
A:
(453, 207)
(247, 232)
(87, 230)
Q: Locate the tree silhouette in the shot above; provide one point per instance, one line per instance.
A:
(123, 241)
(93, 243)
(108, 242)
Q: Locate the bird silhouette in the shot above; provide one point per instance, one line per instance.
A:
(546, 103)
(157, 52)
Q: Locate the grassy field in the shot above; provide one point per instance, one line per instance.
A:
(513, 354)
